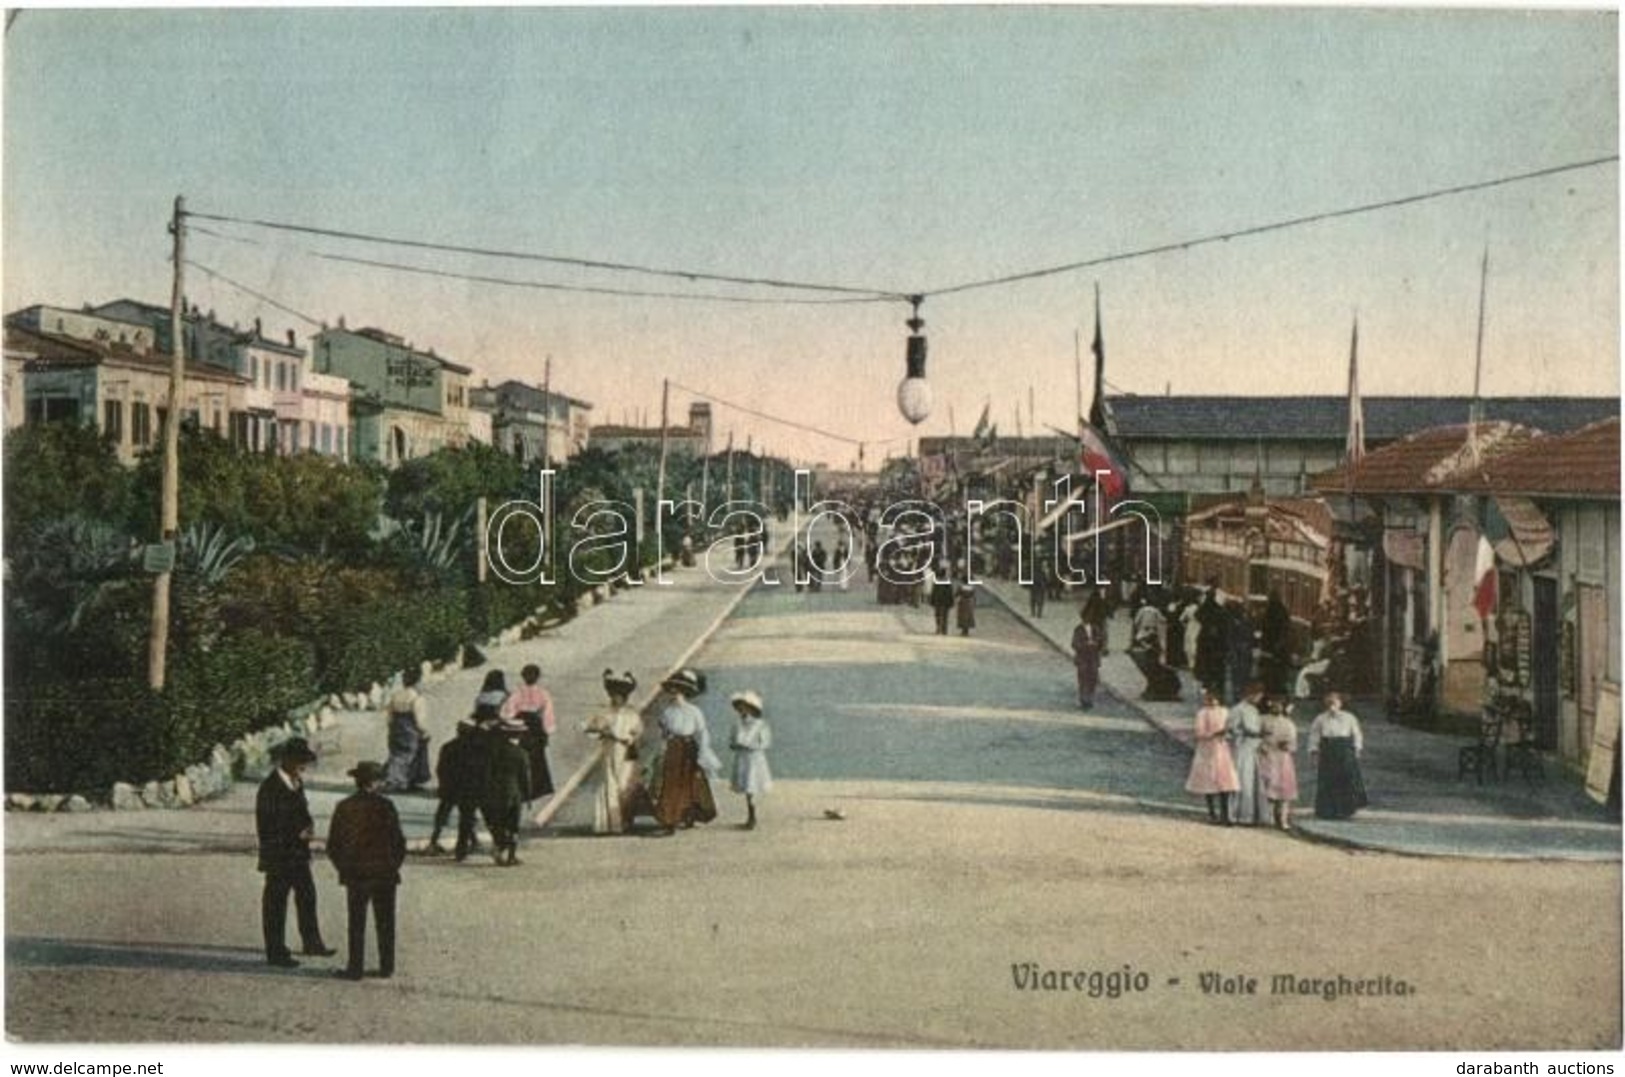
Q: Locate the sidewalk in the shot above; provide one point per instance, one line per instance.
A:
(650, 630)
(1419, 806)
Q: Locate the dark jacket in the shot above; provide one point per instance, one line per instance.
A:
(282, 818)
(365, 842)
(507, 778)
(460, 768)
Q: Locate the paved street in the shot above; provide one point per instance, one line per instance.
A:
(987, 825)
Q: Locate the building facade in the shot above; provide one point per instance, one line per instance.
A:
(407, 403)
(532, 424)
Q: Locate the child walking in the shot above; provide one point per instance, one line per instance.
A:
(751, 740)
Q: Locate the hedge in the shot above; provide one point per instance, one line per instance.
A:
(82, 736)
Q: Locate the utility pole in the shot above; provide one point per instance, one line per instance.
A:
(169, 524)
(660, 481)
(730, 465)
(547, 415)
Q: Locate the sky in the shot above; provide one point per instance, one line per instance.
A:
(901, 150)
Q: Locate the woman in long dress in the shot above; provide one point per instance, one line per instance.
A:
(1213, 771)
(1277, 767)
(681, 784)
(1245, 727)
(1335, 745)
(618, 730)
(751, 740)
(964, 606)
(408, 765)
(529, 712)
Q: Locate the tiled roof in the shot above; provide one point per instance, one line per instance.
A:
(1325, 418)
(1439, 459)
(52, 351)
(1584, 463)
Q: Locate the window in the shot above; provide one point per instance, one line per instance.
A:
(113, 421)
(254, 370)
(53, 409)
(140, 424)
(293, 376)
(281, 378)
(163, 417)
(327, 439)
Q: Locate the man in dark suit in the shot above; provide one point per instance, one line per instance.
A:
(365, 844)
(460, 773)
(282, 817)
(507, 780)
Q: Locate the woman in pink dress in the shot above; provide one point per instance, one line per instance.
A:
(1213, 770)
(1277, 769)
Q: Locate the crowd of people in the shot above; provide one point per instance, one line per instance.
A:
(495, 765)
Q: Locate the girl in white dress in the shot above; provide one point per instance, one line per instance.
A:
(751, 740)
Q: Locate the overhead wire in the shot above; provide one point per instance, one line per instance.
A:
(1274, 226)
(854, 294)
(581, 263)
(553, 286)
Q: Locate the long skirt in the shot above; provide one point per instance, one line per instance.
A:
(534, 743)
(619, 791)
(1087, 664)
(408, 764)
(1248, 807)
(1339, 788)
(685, 793)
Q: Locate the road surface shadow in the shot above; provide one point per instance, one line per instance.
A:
(38, 952)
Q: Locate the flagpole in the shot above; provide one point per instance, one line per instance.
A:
(1476, 413)
(1077, 363)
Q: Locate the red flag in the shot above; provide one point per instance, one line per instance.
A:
(1101, 463)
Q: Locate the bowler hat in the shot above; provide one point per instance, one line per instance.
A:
(294, 750)
(366, 772)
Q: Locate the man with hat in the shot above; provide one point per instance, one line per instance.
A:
(684, 794)
(367, 847)
(282, 820)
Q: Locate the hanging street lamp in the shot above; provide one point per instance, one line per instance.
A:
(913, 392)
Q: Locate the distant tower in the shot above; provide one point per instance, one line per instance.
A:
(699, 421)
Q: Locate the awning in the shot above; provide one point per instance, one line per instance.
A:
(1530, 538)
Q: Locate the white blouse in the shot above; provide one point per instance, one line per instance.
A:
(1335, 724)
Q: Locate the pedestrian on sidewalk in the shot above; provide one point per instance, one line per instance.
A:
(1335, 746)
(460, 782)
(408, 766)
(820, 561)
(964, 604)
(1245, 731)
(528, 713)
(285, 829)
(493, 694)
(1213, 771)
(1277, 765)
(1088, 644)
(1037, 589)
(507, 779)
(1239, 648)
(682, 787)
(751, 739)
(365, 844)
(942, 596)
(618, 731)
(1212, 640)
